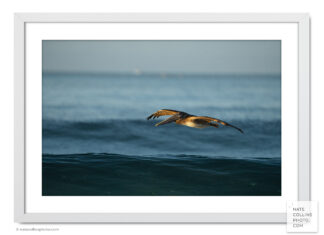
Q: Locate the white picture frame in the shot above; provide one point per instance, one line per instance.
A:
(21, 19)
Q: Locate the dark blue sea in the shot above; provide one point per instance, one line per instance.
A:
(96, 139)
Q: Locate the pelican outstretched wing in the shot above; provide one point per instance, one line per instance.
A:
(173, 118)
(210, 119)
(163, 112)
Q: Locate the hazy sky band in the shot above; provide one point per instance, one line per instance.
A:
(162, 56)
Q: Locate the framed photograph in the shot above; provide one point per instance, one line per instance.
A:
(160, 118)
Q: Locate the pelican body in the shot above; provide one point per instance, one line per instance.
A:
(183, 118)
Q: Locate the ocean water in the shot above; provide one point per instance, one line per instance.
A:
(97, 141)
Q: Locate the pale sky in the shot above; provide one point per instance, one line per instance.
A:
(155, 56)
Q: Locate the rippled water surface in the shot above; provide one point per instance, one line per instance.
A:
(97, 141)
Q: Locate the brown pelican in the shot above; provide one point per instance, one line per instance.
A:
(186, 119)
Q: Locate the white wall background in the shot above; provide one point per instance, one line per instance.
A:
(7, 8)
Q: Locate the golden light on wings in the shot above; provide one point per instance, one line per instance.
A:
(186, 119)
(163, 112)
(210, 119)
